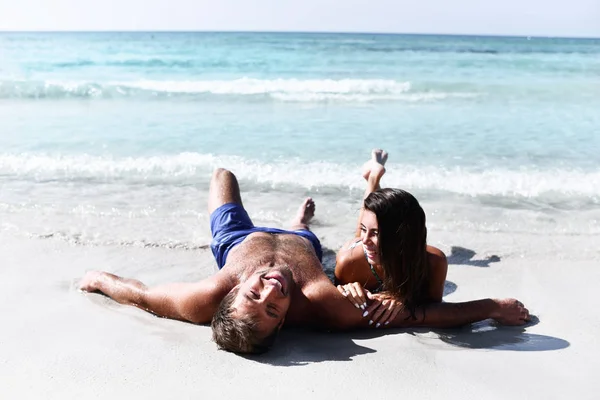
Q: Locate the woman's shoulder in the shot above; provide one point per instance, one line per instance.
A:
(437, 259)
(438, 270)
(349, 251)
(352, 243)
(349, 258)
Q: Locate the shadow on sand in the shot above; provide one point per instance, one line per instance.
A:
(300, 347)
(463, 256)
(449, 287)
(490, 335)
(297, 347)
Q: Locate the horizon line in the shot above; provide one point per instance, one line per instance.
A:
(491, 35)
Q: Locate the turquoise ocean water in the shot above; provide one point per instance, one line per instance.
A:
(109, 138)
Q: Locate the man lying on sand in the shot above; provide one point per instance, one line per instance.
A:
(269, 277)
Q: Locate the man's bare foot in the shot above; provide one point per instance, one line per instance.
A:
(305, 213)
(376, 164)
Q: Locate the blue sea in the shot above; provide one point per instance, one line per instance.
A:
(109, 139)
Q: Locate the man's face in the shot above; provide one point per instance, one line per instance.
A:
(266, 296)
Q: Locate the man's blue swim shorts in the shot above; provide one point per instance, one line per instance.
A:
(230, 224)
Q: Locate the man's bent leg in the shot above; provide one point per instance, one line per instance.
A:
(224, 189)
(305, 213)
(300, 225)
(229, 222)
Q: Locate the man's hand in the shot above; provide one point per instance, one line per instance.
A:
(510, 312)
(89, 283)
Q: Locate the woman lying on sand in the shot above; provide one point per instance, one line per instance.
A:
(389, 259)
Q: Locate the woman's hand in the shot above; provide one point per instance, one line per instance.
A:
(383, 309)
(355, 293)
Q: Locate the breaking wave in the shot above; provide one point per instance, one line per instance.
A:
(187, 168)
(297, 90)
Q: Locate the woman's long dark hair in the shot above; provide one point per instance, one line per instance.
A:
(402, 244)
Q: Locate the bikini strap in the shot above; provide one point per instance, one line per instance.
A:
(379, 280)
(353, 245)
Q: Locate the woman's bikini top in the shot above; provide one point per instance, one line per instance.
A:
(379, 280)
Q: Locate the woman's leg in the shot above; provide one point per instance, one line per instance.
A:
(373, 171)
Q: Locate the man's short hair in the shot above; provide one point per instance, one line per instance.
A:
(240, 334)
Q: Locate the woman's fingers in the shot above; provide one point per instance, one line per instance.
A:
(385, 313)
(372, 308)
(395, 309)
(356, 294)
(361, 295)
(381, 311)
(378, 312)
(384, 316)
(347, 294)
(353, 295)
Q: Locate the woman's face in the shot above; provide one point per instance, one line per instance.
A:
(369, 235)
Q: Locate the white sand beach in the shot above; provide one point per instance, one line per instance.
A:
(58, 343)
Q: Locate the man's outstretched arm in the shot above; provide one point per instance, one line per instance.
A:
(338, 313)
(192, 302)
(450, 315)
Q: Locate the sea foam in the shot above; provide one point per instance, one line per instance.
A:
(297, 90)
(189, 168)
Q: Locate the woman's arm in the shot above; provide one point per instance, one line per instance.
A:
(450, 315)
(334, 311)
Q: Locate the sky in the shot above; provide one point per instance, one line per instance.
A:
(576, 18)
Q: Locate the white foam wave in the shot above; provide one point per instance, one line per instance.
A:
(248, 86)
(529, 183)
(242, 87)
(362, 98)
(43, 166)
(190, 168)
(287, 90)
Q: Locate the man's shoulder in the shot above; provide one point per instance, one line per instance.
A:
(315, 294)
(328, 308)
